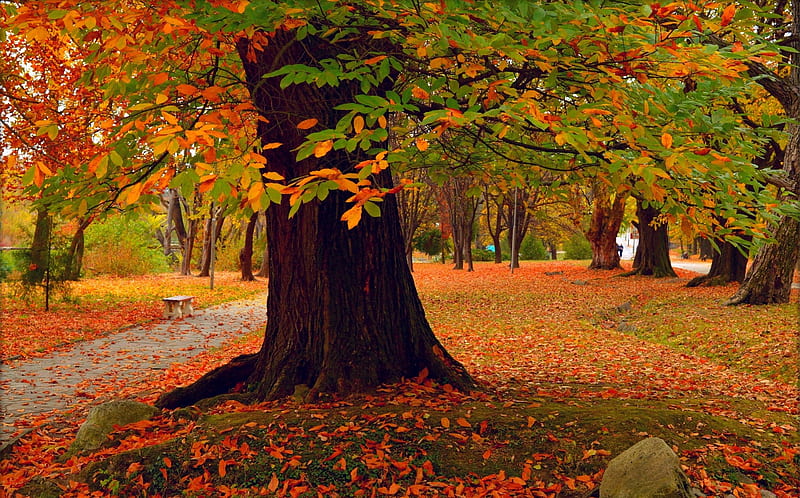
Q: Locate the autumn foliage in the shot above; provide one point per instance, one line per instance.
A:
(573, 366)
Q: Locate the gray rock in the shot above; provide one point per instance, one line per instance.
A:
(767, 494)
(102, 419)
(647, 469)
(580, 282)
(623, 308)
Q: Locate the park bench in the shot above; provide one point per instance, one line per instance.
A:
(178, 306)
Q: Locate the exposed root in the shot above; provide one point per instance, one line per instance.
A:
(221, 380)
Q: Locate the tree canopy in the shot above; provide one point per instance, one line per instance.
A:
(152, 95)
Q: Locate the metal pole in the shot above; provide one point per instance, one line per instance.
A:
(514, 233)
(213, 245)
(47, 270)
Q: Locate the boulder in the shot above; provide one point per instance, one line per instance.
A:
(102, 419)
(647, 469)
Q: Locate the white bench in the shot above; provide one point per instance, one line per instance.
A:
(178, 306)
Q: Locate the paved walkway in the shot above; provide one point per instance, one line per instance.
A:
(59, 380)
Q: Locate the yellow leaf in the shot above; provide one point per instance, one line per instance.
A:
(323, 148)
(666, 140)
(169, 118)
(254, 195)
(271, 175)
(307, 123)
(161, 98)
(352, 216)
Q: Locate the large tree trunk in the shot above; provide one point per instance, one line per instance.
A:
(652, 253)
(246, 253)
(344, 315)
(770, 278)
(728, 264)
(605, 223)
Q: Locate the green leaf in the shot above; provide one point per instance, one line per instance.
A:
(372, 209)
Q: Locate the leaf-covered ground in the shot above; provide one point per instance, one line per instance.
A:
(93, 307)
(575, 367)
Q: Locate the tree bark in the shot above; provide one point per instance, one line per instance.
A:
(246, 254)
(728, 264)
(652, 253)
(770, 278)
(344, 315)
(73, 264)
(39, 259)
(495, 222)
(604, 226)
(212, 231)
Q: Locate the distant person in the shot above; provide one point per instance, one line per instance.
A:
(619, 249)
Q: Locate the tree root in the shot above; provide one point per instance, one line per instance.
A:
(221, 380)
(708, 281)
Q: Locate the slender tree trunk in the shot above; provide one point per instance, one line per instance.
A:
(495, 227)
(213, 229)
(344, 315)
(246, 254)
(74, 257)
(605, 223)
(264, 271)
(652, 253)
(39, 259)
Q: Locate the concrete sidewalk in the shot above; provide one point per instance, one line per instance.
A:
(61, 379)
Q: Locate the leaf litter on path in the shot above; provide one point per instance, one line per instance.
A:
(563, 390)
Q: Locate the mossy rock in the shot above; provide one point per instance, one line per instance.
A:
(101, 421)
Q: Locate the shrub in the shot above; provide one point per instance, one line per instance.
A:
(532, 248)
(577, 247)
(482, 255)
(124, 246)
(429, 242)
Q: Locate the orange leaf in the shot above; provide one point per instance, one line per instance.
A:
(168, 462)
(463, 422)
(160, 78)
(323, 148)
(185, 89)
(352, 216)
(222, 468)
(422, 144)
(273, 484)
(727, 15)
(358, 123)
(666, 140)
(373, 60)
(487, 454)
(445, 422)
(307, 123)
